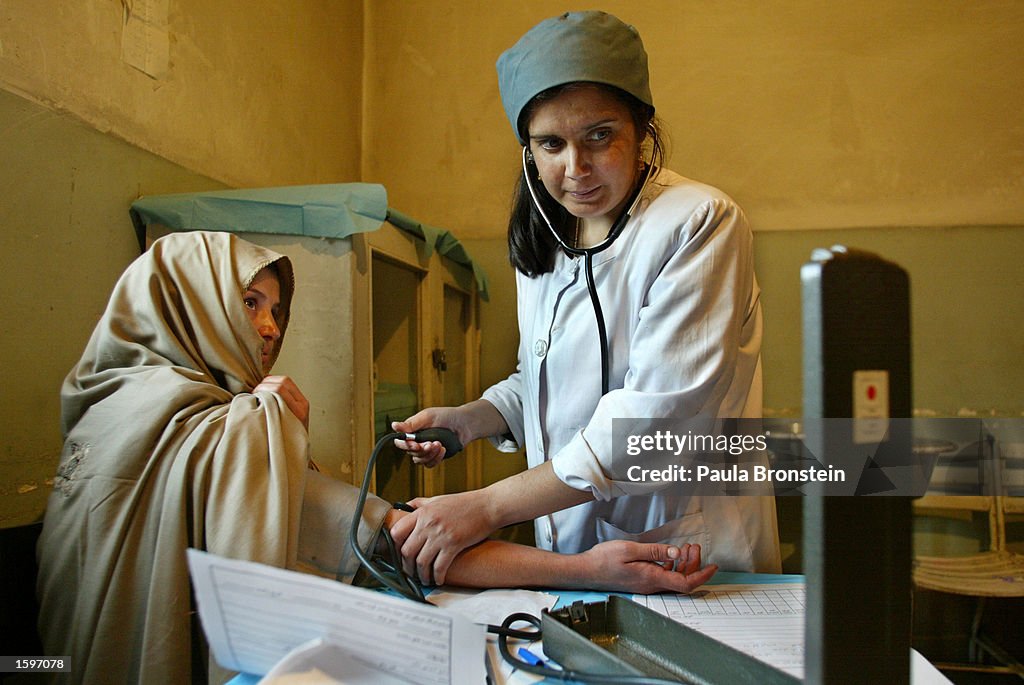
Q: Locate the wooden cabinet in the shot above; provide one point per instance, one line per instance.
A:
(416, 314)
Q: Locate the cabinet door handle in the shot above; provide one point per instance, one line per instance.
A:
(440, 361)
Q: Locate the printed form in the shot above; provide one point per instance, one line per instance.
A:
(254, 615)
(764, 621)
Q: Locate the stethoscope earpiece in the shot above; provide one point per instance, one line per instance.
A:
(616, 228)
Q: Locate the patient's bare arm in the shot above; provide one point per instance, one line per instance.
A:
(618, 565)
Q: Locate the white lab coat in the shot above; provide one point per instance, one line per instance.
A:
(682, 311)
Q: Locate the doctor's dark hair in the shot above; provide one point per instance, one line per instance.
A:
(531, 247)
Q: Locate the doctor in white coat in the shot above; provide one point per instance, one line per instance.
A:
(636, 300)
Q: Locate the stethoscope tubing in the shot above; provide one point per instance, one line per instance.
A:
(588, 257)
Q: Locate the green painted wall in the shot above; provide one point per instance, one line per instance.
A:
(65, 237)
(967, 291)
(967, 309)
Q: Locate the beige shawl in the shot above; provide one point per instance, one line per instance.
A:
(167, 447)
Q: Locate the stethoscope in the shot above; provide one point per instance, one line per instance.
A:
(588, 253)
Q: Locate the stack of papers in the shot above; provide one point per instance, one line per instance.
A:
(255, 615)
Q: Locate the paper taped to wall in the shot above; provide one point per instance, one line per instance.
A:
(145, 38)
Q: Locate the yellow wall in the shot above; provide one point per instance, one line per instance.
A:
(892, 127)
(811, 114)
(252, 92)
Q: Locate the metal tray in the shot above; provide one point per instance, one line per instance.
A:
(621, 637)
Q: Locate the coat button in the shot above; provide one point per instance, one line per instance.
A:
(540, 348)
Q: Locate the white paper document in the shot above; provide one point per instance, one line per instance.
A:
(145, 37)
(321, 662)
(491, 607)
(253, 615)
(764, 621)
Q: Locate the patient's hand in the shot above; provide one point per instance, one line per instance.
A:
(287, 390)
(646, 568)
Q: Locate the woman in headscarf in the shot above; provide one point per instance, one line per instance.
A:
(637, 301)
(172, 440)
(175, 437)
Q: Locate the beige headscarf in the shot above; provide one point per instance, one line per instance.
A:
(166, 447)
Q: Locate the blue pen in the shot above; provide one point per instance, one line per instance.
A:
(529, 657)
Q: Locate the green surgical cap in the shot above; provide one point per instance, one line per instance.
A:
(575, 46)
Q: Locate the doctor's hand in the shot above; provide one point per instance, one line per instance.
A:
(287, 390)
(440, 527)
(646, 568)
(469, 421)
(429, 454)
